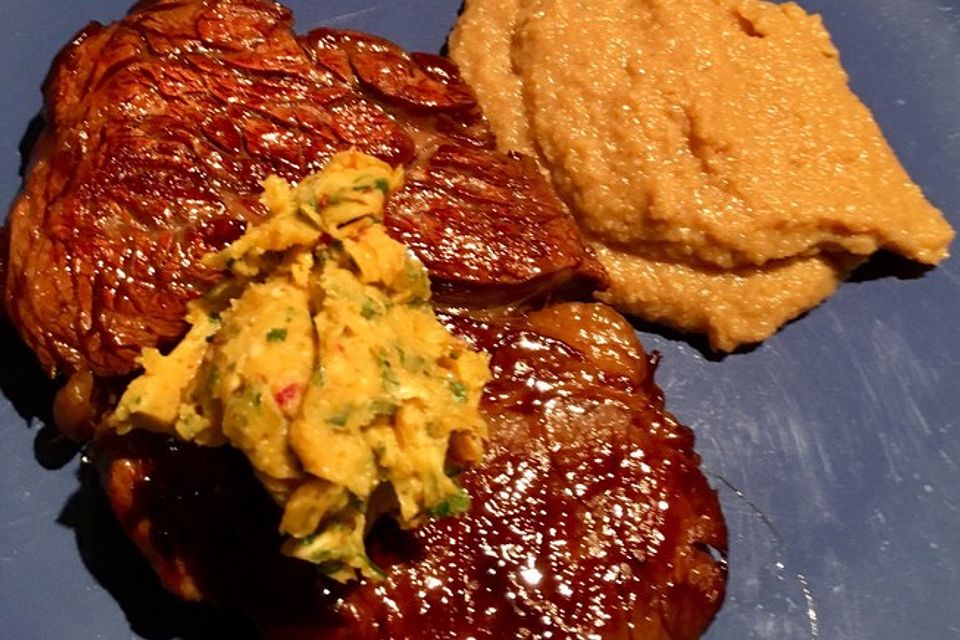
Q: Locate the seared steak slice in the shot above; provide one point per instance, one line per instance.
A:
(160, 127)
(590, 517)
(589, 513)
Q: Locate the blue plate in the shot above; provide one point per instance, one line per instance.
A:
(835, 445)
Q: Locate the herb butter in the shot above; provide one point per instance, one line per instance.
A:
(321, 359)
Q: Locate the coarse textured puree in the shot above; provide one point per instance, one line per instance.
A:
(321, 359)
(727, 175)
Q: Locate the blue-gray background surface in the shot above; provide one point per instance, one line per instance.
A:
(835, 445)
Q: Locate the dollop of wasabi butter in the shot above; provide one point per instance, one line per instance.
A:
(320, 358)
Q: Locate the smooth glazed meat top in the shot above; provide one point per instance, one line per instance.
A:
(160, 128)
(589, 518)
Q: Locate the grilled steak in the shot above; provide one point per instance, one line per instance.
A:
(160, 128)
(590, 517)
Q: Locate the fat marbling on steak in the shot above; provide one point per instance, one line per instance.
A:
(590, 517)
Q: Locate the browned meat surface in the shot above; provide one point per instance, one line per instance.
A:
(4, 247)
(590, 517)
(159, 129)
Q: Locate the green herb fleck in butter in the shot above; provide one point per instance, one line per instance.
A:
(319, 359)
